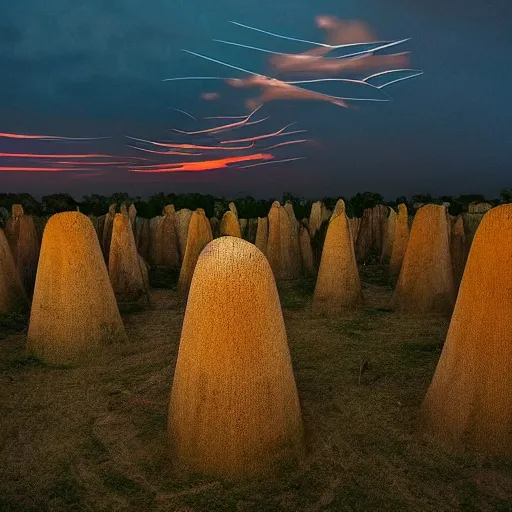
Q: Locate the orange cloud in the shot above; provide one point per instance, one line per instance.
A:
(205, 165)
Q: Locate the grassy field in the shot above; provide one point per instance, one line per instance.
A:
(93, 437)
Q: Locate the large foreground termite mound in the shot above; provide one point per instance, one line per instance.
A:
(74, 308)
(469, 402)
(234, 411)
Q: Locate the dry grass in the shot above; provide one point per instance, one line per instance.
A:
(94, 437)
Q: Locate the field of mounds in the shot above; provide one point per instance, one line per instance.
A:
(94, 437)
(113, 378)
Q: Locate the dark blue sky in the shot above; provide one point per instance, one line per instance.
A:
(96, 70)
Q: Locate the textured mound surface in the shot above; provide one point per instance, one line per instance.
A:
(24, 244)
(234, 410)
(469, 401)
(229, 225)
(338, 286)
(306, 252)
(388, 236)
(425, 283)
(199, 235)
(74, 308)
(12, 296)
(262, 234)
(124, 268)
(183, 217)
(281, 254)
(400, 241)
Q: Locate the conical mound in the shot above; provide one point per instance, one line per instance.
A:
(199, 235)
(401, 240)
(215, 225)
(232, 208)
(234, 412)
(469, 402)
(132, 214)
(155, 240)
(74, 308)
(315, 218)
(458, 250)
(12, 295)
(143, 237)
(306, 252)
(252, 227)
(229, 225)
(262, 234)
(123, 265)
(23, 241)
(389, 236)
(107, 231)
(294, 238)
(183, 217)
(338, 286)
(425, 283)
(280, 248)
(243, 227)
(364, 238)
(355, 223)
(170, 252)
(471, 221)
(379, 216)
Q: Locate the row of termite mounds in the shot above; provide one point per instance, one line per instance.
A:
(234, 410)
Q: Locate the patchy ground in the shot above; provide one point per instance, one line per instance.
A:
(94, 437)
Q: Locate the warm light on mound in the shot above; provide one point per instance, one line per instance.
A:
(425, 283)
(198, 236)
(229, 225)
(469, 402)
(338, 286)
(123, 265)
(74, 309)
(234, 411)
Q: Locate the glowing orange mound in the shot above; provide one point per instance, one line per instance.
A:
(229, 225)
(234, 412)
(74, 308)
(338, 286)
(469, 401)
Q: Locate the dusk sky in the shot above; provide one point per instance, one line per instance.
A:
(95, 69)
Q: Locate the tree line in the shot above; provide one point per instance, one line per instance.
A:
(248, 207)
